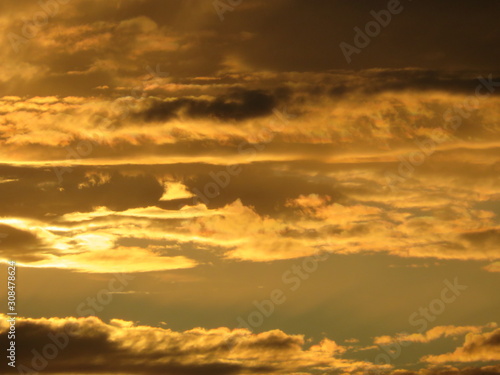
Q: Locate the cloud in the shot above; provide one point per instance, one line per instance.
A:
(76, 191)
(118, 259)
(22, 244)
(116, 37)
(175, 190)
(314, 180)
(450, 370)
(118, 117)
(210, 120)
(493, 267)
(98, 208)
(236, 106)
(478, 347)
(131, 348)
(433, 334)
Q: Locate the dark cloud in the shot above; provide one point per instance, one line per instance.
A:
(451, 35)
(87, 340)
(113, 42)
(259, 185)
(479, 347)
(237, 106)
(485, 238)
(487, 342)
(88, 345)
(40, 194)
(21, 244)
(483, 370)
(465, 82)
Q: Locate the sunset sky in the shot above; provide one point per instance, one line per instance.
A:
(300, 187)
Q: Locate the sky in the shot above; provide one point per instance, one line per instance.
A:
(198, 187)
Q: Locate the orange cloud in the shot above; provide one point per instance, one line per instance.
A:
(127, 347)
(478, 347)
(433, 334)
